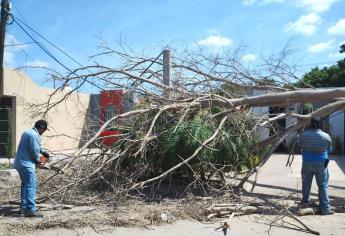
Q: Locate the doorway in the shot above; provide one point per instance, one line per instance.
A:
(6, 126)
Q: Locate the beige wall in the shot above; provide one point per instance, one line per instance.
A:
(65, 121)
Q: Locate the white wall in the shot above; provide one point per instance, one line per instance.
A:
(260, 113)
(65, 121)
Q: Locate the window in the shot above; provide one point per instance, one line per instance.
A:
(109, 112)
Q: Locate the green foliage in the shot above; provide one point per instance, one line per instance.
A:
(307, 108)
(5, 167)
(332, 76)
(342, 48)
(188, 137)
(229, 151)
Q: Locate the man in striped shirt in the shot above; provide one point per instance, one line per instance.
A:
(316, 145)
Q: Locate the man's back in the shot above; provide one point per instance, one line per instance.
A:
(315, 144)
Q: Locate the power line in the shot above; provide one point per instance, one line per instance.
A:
(48, 52)
(59, 49)
(40, 45)
(17, 44)
(17, 9)
(44, 38)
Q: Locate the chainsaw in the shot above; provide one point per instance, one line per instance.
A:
(43, 162)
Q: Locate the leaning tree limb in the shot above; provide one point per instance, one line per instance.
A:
(277, 139)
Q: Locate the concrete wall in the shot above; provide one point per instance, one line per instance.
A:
(291, 139)
(66, 121)
(260, 113)
(336, 122)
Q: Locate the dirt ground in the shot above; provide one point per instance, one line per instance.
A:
(244, 225)
(139, 218)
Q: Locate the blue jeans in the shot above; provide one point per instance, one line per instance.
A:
(317, 168)
(28, 189)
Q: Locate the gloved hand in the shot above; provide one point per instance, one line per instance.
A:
(46, 155)
(42, 162)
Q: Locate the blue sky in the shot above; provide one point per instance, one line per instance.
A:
(314, 28)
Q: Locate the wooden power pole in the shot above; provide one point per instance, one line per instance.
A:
(166, 70)
(5, 9)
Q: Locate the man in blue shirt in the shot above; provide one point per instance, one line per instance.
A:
(316, 145)
(27, 157)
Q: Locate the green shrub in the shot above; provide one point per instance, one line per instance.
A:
(229, 151)
(5, 167)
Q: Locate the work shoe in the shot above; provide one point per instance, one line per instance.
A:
(310, 204)
(22, 212)
(304, 205)
(324, 213)
(34, 214)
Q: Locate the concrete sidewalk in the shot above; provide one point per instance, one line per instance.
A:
(4, 161)
(278, 180)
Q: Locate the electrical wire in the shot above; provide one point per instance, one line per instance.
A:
(40, 45)
(18, 22)
(59, 49)
(48, 41)
(70, 57)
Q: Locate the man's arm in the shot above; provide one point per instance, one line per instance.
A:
(35, 147)
(329, 149)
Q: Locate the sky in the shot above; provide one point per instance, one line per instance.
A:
(314, 29)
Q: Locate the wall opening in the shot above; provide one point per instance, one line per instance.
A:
(6, 127)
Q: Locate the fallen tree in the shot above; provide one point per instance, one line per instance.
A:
(199, 128)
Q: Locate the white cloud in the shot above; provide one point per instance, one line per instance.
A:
(38, 63)
(306, 24)
(338, 28)
(248, 2)
(249, 57)
(273, 1)
(309, 5)
(215, 41)
(9, 59)
(316, 5)
(336, 55)
(12, 46)
(320, 47)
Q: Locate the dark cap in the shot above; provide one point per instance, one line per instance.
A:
(41, 124)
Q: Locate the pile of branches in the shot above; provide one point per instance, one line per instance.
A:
(199, 129)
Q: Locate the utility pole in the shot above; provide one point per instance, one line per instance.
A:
(5, 9)
(166, 71)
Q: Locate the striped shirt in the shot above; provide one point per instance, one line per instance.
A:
(315, 145)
